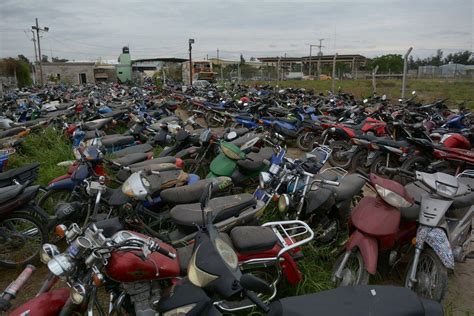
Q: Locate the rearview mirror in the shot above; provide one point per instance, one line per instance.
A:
(254, 284)
(232, 135)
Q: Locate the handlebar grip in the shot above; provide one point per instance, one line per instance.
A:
(15, 286)
(165, 252)
(330, 182)
(257, 301)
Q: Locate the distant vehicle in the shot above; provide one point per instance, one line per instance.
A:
(202, 70)
(201, 84)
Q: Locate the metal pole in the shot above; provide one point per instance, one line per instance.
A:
(190, 64)
(39, 53)
(405, 66)
(36, 57)
(310, 53)
(374, 86)
(333, 71)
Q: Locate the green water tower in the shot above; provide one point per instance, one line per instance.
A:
(124, 67)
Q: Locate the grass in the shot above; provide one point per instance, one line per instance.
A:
(48, 147)
(427, 90)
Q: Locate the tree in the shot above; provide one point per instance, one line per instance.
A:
(18, 68)
(437, 60)
(463, 57)
(44, 59)
(23, 58)
(387, 63)
(242, 60)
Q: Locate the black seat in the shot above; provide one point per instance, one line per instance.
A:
(92, 134)
(119, 140)
(12, 131)
(131, 159)
(9, 192)
(257, 160)
(348, 187)
(222, 208)
(253, 238)
(141, 148)
(155, 161)
(115, 197)
(21, 174)
(361, 300)
(96, 124)
(416, 190)
(391, 142)
(191, 193)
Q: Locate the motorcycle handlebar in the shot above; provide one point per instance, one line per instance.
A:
(398, 171)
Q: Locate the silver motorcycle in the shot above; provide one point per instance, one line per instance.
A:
(444, 205)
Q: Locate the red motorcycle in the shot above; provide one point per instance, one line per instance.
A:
(381, 227)
(138, 268)
(338, 135)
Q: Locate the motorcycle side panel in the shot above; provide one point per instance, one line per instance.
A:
(47, 304)
(67, 184)
(433, 210)
(223, 166)
(438, 241)
(368, 248)
(375, 217)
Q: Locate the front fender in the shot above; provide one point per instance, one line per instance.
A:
(46, 304)
(65, 184)
(436, 238)
(368, 248)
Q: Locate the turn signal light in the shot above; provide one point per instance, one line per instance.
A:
(60, 230)
(413, 241)
(98, 279)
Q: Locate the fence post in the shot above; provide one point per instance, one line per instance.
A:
(374, 84)
(333, 71)
(405, 68)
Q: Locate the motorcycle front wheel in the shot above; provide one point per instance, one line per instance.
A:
(306, 141)
(336, 160)
(51, 198)
(21, 238)
(431, 276)
(354, 272)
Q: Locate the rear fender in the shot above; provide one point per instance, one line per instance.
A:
(436, 238)
(368, 248)
(46, 304)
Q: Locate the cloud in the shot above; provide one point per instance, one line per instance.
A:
(89, 29)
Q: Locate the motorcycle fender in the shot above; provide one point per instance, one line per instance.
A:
(290, 270)
(46, 304)
(368, 248)
(67, 184)
(436, 238)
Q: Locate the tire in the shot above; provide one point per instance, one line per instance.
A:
(359, 161)
(338, 146)
(414, 163)
(51, 198)
(24, 220)
(379, 162)
(305, 141)
(192, 166)
(431, 285)
(357, 276)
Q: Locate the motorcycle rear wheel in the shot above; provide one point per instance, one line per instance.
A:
(305, 141)
(21, 238)
(51, 198)
(339, 146)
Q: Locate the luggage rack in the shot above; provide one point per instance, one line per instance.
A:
(291, 234)
(468, 173)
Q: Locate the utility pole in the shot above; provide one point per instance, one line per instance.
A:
(38, 29)
(36, 57)
(220, 64)
(320, 53)
(191, 41)
(333, 72)
(310, 56)
(405, 69)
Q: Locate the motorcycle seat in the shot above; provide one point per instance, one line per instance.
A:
(92, 134)
(349, 186)
(191, 193)
(244, 117)
(115, 197)
(155, 161)
(287, 120)
(123, 174)
(9, 192)
(360, 300)
(247, 239)
(131, 159)
(222, 208)
(141, 148)
(391, 142)
(23, 173)
(244, 138)
(12, 131)
(257, 160)
(117, 140)
(96, 124)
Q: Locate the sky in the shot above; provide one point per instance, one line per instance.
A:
(98, 29)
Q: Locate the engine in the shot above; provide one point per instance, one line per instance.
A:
(142, 296)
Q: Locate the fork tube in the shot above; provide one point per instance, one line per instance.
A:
(387, 160)
(412, 280)
(300, 205)
(340, 268)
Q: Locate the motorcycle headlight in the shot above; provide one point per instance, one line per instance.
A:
(197, 276)
(61, 265)
(78, 293)
(284, 203)
(264, 179)
(227, 253)
(391, 197)
(134, 186)
(47, 252)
